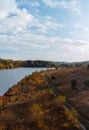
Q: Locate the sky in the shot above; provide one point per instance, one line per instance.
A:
(54, 30)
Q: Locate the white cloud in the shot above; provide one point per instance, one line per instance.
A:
(14, 20)
(71, 5)
(34, 4)
(17, 23)
(6, 7)
(77, 25)
(45, 47)
(81, 27)
(24, 20)
(30, 41)
(46, 24)
(29, 3)
(21, 31)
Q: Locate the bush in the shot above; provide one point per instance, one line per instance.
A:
(88, 66)
(60, 99)
(86, 82)
(53, 77)
(73, 84)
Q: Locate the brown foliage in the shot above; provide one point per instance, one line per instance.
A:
(33, 106)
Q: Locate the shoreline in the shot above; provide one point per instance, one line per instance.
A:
(28, 67)
(10, 77)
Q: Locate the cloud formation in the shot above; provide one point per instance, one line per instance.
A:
(6, 7)
(29, 3)
(25, 34)
(71, 4)
(15, 20)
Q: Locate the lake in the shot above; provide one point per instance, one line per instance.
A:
(10, 77)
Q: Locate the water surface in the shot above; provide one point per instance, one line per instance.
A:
(9, 77)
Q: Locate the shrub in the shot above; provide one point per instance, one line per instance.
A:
(60, 99)
(86, 82)
(72, 117)
(73, 84)
(53, 77)
(88, 66)
(1, 103)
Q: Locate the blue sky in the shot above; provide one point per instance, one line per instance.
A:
(56, 30)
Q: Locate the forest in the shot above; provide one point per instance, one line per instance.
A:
(8, 63)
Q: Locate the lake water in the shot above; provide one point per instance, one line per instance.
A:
(9, 77)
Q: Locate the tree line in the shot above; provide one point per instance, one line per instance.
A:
(8, 63)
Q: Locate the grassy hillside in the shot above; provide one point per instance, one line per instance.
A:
(32, 105)
(77, 96)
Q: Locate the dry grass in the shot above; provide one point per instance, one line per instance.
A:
(30, 105)
(78, 98)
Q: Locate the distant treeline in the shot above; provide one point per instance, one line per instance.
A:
(8, 63)
(72, 64)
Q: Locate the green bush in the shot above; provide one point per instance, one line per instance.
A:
(73, 84)
(86, 82)
(53, 77)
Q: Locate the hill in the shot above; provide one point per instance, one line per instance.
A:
(77, 95)
(32, 105)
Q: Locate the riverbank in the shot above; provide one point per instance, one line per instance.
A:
(31, 104)
(10, 77)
